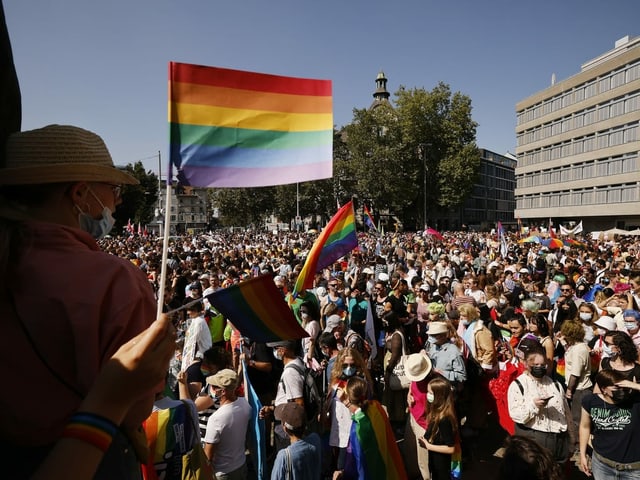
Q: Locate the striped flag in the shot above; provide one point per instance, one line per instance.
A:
(256, 432)
(368, 219)
(336, 240)
(231, 128)
(256, 308)
(503, 241)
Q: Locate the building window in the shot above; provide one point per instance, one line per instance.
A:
(629, 193)
(613, 195)
(604, 84)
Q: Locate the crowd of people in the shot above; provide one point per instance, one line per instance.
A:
(518, 338)
(416, 337)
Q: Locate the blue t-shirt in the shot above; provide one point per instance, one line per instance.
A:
(306, 458)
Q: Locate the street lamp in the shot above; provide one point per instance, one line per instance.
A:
(422, 155)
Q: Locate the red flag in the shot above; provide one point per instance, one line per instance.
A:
(139, 229)
(145, 233)
(129, 227)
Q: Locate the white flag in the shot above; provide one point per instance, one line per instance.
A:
(370, 333)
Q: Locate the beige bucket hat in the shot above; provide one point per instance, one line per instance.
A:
(58, 154)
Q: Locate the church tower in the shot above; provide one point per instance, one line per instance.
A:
(381, 95)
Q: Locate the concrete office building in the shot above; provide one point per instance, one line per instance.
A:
(578, 144)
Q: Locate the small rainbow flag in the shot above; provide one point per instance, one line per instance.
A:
(230, 128)
(336, 240)
(368, 219)
(257, 310)
(372, 453)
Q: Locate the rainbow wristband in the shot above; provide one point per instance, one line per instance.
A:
(91, 428)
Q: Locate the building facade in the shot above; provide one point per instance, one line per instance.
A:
(578, 144)
(190, 210)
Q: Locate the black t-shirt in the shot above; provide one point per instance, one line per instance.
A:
(615, 428)
(440, 463)
(262, 382)
(632, 374)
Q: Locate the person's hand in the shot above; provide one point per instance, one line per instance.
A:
(265, 412)
(541, 402)
(424, 443)
(341, 394)
(137, 370)
(628, 384)
(410, 400)
(338, 474)
(584, 465)
(182, 377)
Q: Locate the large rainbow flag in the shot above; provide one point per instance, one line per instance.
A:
(336, 240)
(372, 453)
(256, 308)
(231, 128)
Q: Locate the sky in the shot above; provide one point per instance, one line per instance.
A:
(103, 65)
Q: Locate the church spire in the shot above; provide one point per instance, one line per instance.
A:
(381, 95)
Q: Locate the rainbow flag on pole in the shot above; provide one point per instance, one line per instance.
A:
(230, 128)
(256, 308)
(368, 219)
(336, 240)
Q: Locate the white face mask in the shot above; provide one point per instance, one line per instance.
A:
(96, 228)
(585, 317)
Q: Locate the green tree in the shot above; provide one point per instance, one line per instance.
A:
(139, 202)
(242, 207)
(390, 148)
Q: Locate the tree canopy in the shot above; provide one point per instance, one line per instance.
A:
(138, 201)
(381, 158)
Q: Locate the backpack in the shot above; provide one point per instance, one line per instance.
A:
(310, 392)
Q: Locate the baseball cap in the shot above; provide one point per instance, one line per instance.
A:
(333, 321)
(292, 415)
(225, 378)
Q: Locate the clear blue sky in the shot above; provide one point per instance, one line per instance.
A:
(102, 65)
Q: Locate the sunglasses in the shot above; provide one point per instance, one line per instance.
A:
(565, 289)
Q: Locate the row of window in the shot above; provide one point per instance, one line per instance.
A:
(581, 171)
(579, 93)
(594, 196)
(583, 118)
(588, 143)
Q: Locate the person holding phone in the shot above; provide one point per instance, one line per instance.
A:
(538, 406)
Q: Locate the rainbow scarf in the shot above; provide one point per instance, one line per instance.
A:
(372, 453)
(336, 240)
(230, 128)
(257, 310)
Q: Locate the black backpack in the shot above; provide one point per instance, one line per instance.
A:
(310, 392)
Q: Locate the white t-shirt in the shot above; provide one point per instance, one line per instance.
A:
(227, 429)
(291, 382)
(197, 339)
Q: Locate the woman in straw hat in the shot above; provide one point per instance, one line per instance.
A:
(419, 370)
(66, 306)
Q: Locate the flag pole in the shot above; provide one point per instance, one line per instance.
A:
(165, 248)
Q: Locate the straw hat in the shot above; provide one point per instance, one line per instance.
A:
(58, 154)
(417, 366)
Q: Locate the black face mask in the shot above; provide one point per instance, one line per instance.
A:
(538, 371)
(620, 395)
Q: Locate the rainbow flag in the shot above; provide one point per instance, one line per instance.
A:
(368, 219)
(372, 453)
(336, 239)
(257, 310)
(230, 128)
(171, 433)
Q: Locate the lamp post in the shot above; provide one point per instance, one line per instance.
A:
(422, 155)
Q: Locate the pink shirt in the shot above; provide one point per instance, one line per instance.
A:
(79, 305)
(418, 410)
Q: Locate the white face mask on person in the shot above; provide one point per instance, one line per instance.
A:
(96, 228)
(585, 317)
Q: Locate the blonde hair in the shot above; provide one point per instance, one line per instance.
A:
(469, 311)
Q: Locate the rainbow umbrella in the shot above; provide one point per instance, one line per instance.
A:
(552, 243)
(574, 243)
(531, 239)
